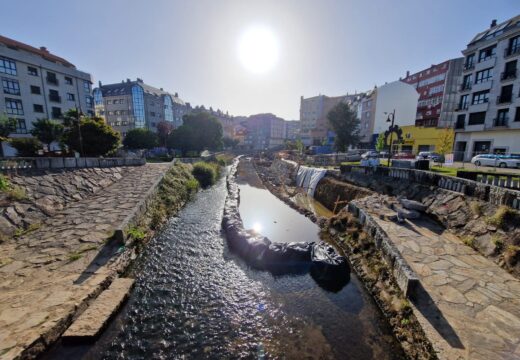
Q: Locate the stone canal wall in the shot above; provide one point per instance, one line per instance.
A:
(49, 274)
(39, 194)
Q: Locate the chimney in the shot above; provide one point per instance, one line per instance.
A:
(176, 94)
(407, 73)
(139, 80)
(493, 23)
(99, 82)
(162, 89)
(127, 80)
(44, 49)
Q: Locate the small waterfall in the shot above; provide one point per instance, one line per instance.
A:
(308, 178)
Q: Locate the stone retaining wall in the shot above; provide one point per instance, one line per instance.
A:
(12, 164)
(484, 192)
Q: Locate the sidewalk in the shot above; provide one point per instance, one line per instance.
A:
(469, 306)
(51, 273)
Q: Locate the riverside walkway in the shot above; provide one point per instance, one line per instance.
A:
(48, 275)
(468, 305)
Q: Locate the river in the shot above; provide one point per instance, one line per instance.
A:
(194, 299)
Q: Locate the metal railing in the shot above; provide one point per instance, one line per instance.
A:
(508, 75)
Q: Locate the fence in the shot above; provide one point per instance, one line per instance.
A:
(9, 164)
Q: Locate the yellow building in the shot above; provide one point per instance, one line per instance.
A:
(420, 138)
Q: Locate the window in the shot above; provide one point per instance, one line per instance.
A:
(89, 101)
(7, 66)
(436, 89)
(502, 117)
(56, 112)
(506, 94)
(482, 76)
(51, 78)
(35, 90)
(477, 118)
(86, 86)
(470, 61)
(109, 102)
(152, 113)
(110, 113)
(463, 103)
(460, 121)
(68, 80)
(514, 46)
(517, 114)
(480, 97)
(54, 96)
(38, 108)
(21, 128)
(32, 71)
(466, 82)
(13, 106)
(71, 97)
(11, 86)
(138, 104)
(487, 53)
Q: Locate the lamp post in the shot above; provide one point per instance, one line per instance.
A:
(391, 128)
(79, 114)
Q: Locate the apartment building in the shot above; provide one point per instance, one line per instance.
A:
(437, 87)
(291, 129)
(375, 106)
(264, 131)
(134, 104)
(37, 84)
(488, 118)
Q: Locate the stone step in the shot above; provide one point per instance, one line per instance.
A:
(93, 320)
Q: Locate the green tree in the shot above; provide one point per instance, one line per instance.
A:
(140, 139)
(380, 142)
(200, 131)
(445, 143)
(47, 131)
(25, 147)
(345, 124)
(98, 138)
(164, 128)
(7, 126)
(230, 142)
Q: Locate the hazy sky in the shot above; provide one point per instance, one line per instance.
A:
(190, 47)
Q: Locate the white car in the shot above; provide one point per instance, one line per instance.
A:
(495, 160)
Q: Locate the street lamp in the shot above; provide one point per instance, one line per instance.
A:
(79, 114)
(391, 129)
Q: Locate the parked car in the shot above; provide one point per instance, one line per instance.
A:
(501, 161)
(353, 156)
(428, 155)
(403, 155)
(370, 154)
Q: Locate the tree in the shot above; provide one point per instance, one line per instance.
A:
(230, 142)
(345, 124)
(380, 142)
(140, 139)
(25, 147)
(47, 131)
(164, 128)
(7, 126)
(445, 142)
(98, 138)
(200, 131)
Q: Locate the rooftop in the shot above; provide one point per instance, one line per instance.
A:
(42, 51)
(496, 29)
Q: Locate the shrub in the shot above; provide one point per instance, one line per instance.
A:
(97, 138)
(205, 173)
(4, 183)
(25, 146)
(499, 217)
(512, 255)
(192, 185)
(136, 233)
(140, 139)
(16, 193)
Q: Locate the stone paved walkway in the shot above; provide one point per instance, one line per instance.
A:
(50, 272)
(469, 307)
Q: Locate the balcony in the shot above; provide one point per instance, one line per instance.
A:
(52, 81)
(462, 107)
(511, 51)
(508, 75)
(54, 98)
(465, 87)
(504, 99)
(468, 67)
(460, 124)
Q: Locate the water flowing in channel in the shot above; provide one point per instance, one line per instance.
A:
(194, 299)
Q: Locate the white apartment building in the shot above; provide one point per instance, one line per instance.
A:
(488, 119)
(37, 84)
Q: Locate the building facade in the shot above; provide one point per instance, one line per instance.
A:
(291, 129)
(133, 104)
(37, 84)
(488, 116)
(264, 131)
(437, 87)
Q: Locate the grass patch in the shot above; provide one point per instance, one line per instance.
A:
(350, 163)
(16, 193)
(21, 231)
(475, 207)
(5, 185)
(450, 171)
(192, 185)
(498, 242)
(469, 240)
(75, 256)
(206, 173)
(499, 217)
(136, 233)
(512, 255)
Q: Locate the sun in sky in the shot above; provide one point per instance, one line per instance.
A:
(258, 49)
